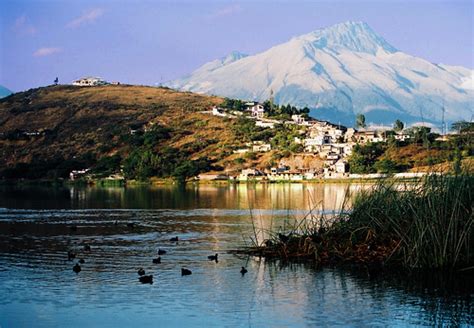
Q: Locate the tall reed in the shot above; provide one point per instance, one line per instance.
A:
(432, 220)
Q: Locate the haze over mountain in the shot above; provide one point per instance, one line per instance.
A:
(341, 71)
(4, 92)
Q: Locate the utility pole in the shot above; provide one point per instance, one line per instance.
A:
(443, 124)
(271, 100)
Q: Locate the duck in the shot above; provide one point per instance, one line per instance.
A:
(243, 271)
(213, 257)
(174, 238)
(146, 279)
(141, 272)
(157, 260)
(82, 261)
(76, 268)
(161, 252)
(185, 272)
(71, 255)
(87, 248)
(131, 225)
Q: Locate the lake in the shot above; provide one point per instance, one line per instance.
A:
(38, 225)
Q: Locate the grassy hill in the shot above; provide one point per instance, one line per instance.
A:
(55, 129)
(148, 131)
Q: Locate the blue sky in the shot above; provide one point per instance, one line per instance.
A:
(146, 42)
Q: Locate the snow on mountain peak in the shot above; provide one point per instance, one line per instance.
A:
(353, 36)
(338, 72)
(232, 57)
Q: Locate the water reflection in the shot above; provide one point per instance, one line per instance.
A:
(243, 196)
(39, 288)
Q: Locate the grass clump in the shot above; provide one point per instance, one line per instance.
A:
(427, 224)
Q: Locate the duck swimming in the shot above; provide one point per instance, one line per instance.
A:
(146, 279)
(174, 238)
(141, 272)
(185, 272)
(161, 252)
(76, 268)
(157, 260)
(213, 257)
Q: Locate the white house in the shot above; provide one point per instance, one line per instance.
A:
(341, 166)
(216, 111)
(298, 119)
(257, 111)
(263, 148)
(89, 82)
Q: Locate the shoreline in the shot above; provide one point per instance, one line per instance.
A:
(170, 182)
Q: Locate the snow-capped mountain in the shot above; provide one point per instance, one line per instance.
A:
(4, 92)
(341, 71)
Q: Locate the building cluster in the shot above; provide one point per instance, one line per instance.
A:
(92, 81)
(333, 143)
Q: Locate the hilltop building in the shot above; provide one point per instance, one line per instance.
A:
(89, 82)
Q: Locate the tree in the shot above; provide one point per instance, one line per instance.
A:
(360, 121)
(364, 157)
(462, 126)
(398, 126)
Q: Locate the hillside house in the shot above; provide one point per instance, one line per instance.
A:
(263, 148)
(251, 174)
(89, 82)
(257, 111)
(341, 166)
(403, 136)
(364, 137)
(217, 111)
(75, 174)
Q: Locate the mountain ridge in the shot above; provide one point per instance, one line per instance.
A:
(342, 71)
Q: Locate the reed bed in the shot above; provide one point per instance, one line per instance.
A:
(427, 224)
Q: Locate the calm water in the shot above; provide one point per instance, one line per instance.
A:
(38, 287)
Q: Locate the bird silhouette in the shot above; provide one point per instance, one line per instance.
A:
(161, 252)
(157, 260)
(243, 271)
(146, 279)
(174, 238)
(141, 272)
(76, 268)
(213, 257)
(82, 261)
(185, 272)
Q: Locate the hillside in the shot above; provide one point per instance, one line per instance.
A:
(48, 132)
(341, 71)
(78, 126)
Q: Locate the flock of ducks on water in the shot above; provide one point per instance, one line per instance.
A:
(143, 278)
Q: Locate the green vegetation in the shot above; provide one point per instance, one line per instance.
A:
(424, 225)
(422, 149)
(398, 126)
(360, 121)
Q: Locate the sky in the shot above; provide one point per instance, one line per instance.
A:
(150, 42)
